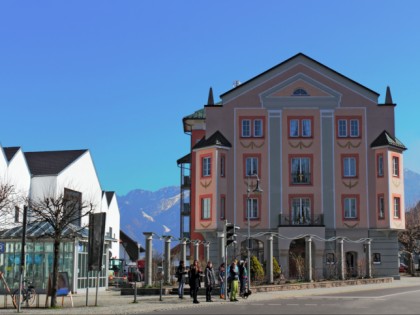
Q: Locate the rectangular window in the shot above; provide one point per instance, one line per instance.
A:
(222, 207)
(222, 165)
(381, 207)
(349, 167)
(205, 208)
(251, 166)
(16, 214)
(301, 170)
(350, 208)
(354, 127)
(301, 211)
(342, 128)
(397, 208)
(258, 128)
(246, 128)
(294, 128)
(380, 165)
(306, 128)
(206, 166)
(252, 208)
(396, 166)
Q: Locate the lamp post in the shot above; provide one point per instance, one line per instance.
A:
(256, 190)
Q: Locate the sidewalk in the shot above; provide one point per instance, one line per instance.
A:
(111, 302)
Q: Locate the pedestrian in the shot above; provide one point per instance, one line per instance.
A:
(195, 273)
(137, 275)
(242, 277)
(234, 276)
(180, 273)
(209, 280)
(222, 273)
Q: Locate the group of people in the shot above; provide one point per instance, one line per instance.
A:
(236, 279)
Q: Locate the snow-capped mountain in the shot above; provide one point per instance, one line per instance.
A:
(147, 211)
(411, 188)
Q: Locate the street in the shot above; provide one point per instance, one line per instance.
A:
(376, 301)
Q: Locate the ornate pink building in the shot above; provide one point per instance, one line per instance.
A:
(325, 152)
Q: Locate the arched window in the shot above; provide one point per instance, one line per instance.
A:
(300, 92)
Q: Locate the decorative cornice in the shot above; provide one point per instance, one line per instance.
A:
(205, 185)
(349, 145)
(350, 185)
(251, 145)
(205, 225)
(300, 144)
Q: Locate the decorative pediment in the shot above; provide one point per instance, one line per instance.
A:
(300, 90)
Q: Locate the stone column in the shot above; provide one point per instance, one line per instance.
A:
(196, 250)
(341, 258)
(308, 264)
(206, 251)
(270, 269)
(167, 260)
(221, 242)
(149, 256)
(184, 251)
(368, 258)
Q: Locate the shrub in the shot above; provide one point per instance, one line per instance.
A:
(276, 269)
(257, 271)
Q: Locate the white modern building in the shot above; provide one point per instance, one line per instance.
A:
(36, 175)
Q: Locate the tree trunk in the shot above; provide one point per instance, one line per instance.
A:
(55, 272)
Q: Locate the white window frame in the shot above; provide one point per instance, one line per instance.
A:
(206, 166)
(294, 127)
(354, 129)
(252, 208)
(246, 128)
(258, 132)
(308, 127)
(205, 208)
(350, 208)
(349, 166)
(251, 166)
(300, 161)
(380, 162)
(342, 129)
(397, 208)
(396, 166)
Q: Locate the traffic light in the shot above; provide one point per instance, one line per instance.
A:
(231, 233)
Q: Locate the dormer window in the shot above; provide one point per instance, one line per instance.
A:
(300, 92)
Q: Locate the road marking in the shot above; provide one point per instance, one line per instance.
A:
(310, 304)
(292, 304)
(274, 304)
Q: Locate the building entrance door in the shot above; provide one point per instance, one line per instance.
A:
(297, 256)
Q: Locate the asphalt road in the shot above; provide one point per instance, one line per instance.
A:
(403, 300)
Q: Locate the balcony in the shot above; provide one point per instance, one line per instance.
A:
(186, 209)
(287, 220)
(186, 182)
(301, 178)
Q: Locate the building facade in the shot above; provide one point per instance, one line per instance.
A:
(325, 154)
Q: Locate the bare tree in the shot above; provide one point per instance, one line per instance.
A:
(63, 213)
(410, 237)
(8, 197)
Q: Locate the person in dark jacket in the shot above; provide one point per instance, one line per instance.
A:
(195, 273)
(180, 273)
(209, 280)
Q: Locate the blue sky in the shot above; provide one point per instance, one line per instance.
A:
(117, 77)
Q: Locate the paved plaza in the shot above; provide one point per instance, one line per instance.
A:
(112, 302)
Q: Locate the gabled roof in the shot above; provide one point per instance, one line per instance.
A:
(385, 139)
(290, 59)
(51, 162)
(216, 138)
(109, 196)
(10, 152)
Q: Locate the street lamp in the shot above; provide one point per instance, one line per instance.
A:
(256, 190)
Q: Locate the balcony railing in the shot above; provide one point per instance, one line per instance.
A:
(287, 220)
(301, 178)
(186, 209)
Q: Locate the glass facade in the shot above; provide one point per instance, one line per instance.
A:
(39, 263)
